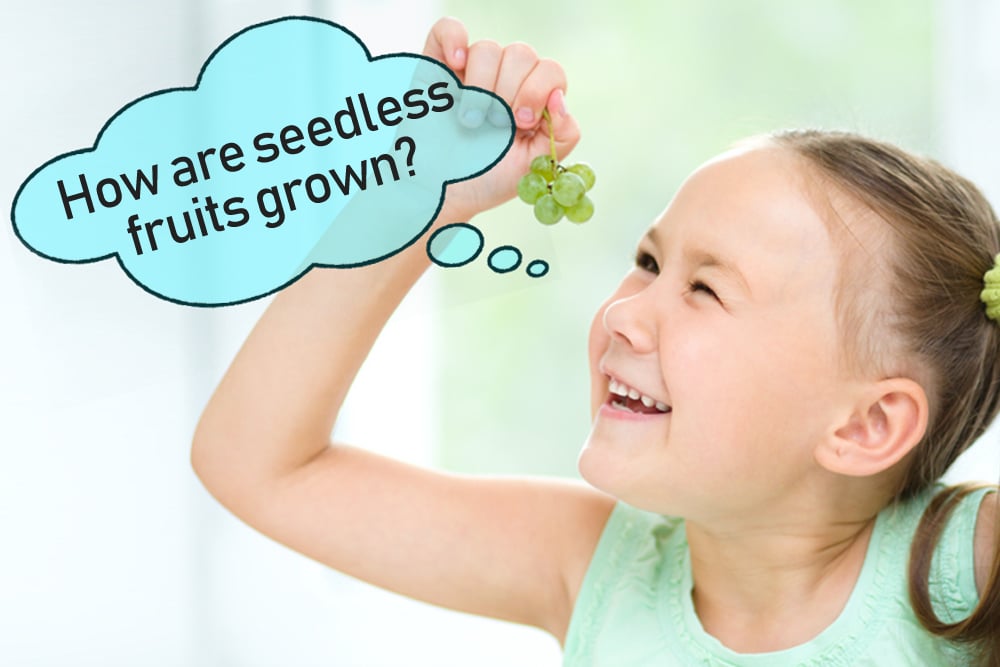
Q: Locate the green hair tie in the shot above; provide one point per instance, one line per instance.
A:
(991, 293)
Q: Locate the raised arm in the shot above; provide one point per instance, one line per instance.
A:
(511, 549)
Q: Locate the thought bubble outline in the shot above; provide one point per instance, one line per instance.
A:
(434, 256)
(541, 268)
(500, 250)
(194, 88)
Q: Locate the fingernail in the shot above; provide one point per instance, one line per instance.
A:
(473, 118)
(560, 102)
(525, 115)
(459, 57)
(498, 117)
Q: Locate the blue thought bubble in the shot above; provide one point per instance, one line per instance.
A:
(295, 148)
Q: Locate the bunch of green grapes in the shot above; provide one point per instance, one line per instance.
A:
(556, 190)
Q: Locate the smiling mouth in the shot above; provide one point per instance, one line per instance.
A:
(627, 399)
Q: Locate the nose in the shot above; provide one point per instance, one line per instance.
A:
(631, 320)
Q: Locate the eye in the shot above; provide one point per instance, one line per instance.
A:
(699, 286)
(646, 262)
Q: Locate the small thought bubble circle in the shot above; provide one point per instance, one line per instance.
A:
(504, 259)
(537, 268)
(455, 245)
(460, 243)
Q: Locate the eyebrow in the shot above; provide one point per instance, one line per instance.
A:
(702, 258)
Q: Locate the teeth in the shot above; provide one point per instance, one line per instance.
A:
(621, 389)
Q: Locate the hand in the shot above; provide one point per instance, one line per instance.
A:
(528, 84)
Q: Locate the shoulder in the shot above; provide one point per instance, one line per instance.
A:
(624, 564)
(985, 541)
(954, 548)
(629, 532)
(610, 528)
(972, 512)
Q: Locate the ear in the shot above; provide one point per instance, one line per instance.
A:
(884, 425)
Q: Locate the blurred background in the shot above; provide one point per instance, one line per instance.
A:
(111, 553)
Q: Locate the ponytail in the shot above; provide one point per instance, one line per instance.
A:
(980, 632)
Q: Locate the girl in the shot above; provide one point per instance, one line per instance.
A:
(799, 352)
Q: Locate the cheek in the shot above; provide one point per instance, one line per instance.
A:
(723, 378)
(771, 389)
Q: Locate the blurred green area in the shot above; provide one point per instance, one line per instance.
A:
(658, 88)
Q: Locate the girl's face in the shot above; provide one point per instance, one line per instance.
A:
(726, 325)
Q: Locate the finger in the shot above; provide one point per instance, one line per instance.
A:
(480, 72)
(448, 42)
(517, 61)
(535, 91)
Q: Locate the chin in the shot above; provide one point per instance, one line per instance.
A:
(599, 468)
(607, 471)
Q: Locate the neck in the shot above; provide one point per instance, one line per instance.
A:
(767, 587)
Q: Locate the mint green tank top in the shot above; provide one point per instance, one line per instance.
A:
(634, 607)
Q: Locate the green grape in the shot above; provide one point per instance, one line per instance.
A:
(568, 188)
(531, 187)
(544, 167)
(584, 171)
(547, 210)
(582, 211)
(555, 190)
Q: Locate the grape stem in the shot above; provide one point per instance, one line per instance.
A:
(552, 137)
